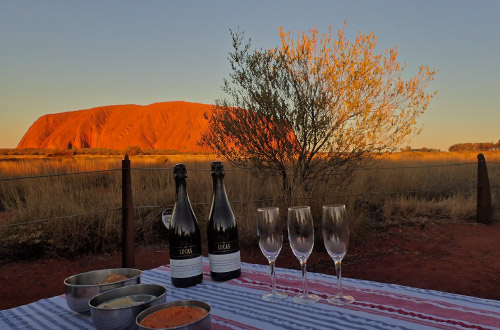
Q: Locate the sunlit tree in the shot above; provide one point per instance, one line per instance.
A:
(315, 106)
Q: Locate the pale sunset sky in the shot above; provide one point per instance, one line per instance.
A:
(58, 55)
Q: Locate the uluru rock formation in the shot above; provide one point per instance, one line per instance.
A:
(166, 125)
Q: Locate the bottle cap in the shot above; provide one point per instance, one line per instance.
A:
(180, 171)
(217, 169)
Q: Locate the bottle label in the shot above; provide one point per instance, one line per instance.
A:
(185, 252)
(183, 268)
(221, 263)
(223, 247)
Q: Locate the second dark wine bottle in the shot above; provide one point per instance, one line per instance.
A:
(222, 232)
(184, 236)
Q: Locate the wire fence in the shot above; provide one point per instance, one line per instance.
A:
(59, 218)
(283, 198)
(228, 170)
(273, 199)
(58, 174)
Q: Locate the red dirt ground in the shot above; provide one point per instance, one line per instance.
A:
(452, 257)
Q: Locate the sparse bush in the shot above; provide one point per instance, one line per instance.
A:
(480, 146)
(132, 150)
(96, 151)
(59, 153)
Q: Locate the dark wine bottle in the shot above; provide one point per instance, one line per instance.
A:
(222, 232)
(184, 236)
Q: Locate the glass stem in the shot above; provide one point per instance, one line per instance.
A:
(304, 276)
(273, 277)
(338, 265)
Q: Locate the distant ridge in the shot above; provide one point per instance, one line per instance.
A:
(166, 125)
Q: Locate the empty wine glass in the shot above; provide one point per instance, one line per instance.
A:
(335, 227)
(270, 243)
(301, 237)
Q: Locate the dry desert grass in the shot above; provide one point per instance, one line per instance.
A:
(410, 188)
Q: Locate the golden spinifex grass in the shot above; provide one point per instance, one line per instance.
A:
(400, 188)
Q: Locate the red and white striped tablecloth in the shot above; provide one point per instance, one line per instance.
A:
(237, 304)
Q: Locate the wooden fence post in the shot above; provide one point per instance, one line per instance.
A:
(128, 253)
(484, 210)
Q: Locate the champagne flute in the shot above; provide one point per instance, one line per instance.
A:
(336, 238)
(270, 243)
(301, 237)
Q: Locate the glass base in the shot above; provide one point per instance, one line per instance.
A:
(274, 296)
(340, 300)
(305, 299)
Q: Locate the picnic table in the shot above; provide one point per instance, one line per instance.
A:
(237, 304)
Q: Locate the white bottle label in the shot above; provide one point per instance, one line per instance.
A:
(184, 268)
(166, 215)
(221, 263)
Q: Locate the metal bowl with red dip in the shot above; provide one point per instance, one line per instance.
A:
(178, 315)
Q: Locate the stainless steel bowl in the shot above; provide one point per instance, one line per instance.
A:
(124, 317)
(202, 324)
(81, 287)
